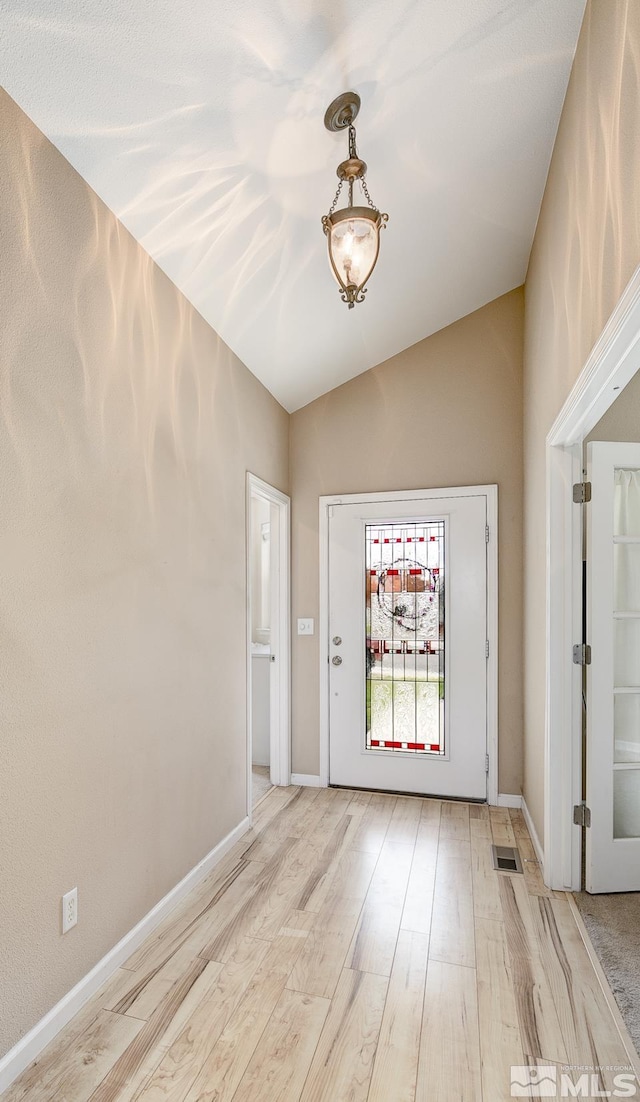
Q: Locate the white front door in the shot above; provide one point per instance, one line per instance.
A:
(408, 643)
(613, 678)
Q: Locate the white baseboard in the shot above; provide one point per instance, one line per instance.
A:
(507, 800)
(533, 833)
(308, 780)
(31, 1045)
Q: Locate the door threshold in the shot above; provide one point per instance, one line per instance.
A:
(414, 795)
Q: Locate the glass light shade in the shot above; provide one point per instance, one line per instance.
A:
(354, 240)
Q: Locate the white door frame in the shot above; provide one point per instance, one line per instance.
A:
(613, 362)
(280, 701)
(491, 493)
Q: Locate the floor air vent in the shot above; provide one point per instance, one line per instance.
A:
(506, 859)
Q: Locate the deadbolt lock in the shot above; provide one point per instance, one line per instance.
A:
(337, 640)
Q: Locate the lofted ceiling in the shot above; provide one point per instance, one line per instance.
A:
(200, 124)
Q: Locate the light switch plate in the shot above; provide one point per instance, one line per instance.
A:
(305, 627)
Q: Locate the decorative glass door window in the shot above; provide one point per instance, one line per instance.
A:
(405, 637)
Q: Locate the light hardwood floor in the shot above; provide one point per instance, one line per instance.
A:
(351, 947)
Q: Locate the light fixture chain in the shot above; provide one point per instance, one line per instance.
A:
(365, 189)
(336, 197)
(353, 152)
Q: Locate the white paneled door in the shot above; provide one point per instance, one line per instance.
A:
(613, 677)
(408, 643)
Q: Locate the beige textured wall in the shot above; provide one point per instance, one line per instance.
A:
(446, 412)
(586, 248)
(622, 419)
(126, 428)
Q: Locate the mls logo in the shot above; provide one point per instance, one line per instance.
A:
(533, 1082)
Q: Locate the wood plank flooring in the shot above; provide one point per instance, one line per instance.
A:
(352, 947)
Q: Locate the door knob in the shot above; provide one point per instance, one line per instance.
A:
(336, 660)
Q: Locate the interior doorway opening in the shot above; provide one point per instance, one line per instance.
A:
(613, 363)
(260, 562)
(268, 642)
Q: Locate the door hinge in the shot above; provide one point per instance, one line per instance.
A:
(581, 492)
(582, 654)
(486, 763)
(582, 815)
(486, 533)
(486, 649)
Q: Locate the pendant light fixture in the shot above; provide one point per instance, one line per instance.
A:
(353, 233)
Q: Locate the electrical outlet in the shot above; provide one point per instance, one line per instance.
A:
(69, 910)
